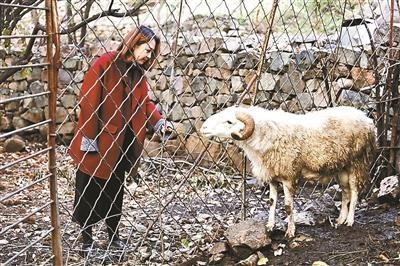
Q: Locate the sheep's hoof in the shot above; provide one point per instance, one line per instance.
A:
(337, 225)
(269, 227)
(289, 234)
(340, 221)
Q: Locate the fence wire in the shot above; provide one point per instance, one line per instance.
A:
(298, 56)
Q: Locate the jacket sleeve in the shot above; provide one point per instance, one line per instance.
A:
(89, 101)
(151, 110)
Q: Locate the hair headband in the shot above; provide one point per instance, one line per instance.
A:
(147, 32)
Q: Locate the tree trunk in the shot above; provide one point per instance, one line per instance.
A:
(84, 27)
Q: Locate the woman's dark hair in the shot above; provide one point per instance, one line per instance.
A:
(138, 36)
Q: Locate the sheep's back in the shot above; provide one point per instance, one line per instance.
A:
(342, 138)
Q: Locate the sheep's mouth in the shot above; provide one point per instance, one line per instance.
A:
(209, 134)
(206, 134)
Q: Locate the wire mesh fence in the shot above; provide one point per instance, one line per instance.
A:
(298, 56)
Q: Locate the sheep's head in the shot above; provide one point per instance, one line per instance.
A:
(233, 122)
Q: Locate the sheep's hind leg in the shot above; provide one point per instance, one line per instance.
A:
(353, 202)
(344, 185)
(273, 197)
(289, 191)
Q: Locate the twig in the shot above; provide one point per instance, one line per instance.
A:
(344, 253)
(108, 13)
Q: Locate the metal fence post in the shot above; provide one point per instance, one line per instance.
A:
(53, 56)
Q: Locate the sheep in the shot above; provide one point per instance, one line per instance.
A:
(283, 147)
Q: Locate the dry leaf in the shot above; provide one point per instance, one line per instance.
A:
(383, 257)
(262, 261)
(319, 263)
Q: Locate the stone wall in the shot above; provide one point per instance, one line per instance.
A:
(210, 73)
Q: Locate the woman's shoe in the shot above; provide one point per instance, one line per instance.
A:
(117, 242)
(87, 249)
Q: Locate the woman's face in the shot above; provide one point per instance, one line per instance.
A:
(142, 52)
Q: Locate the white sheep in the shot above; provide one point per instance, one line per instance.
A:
(283, 147)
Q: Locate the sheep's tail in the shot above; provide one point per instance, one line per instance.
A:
(368, 160)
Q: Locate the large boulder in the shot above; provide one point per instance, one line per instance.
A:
(389, 190)
(247, 237)
(14, 144)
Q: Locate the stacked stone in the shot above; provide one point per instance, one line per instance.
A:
(209, 72)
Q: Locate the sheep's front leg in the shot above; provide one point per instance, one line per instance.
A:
(273, 197)
(289, 191)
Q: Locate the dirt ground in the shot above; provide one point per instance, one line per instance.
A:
(374, 239)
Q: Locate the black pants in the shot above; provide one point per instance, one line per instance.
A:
(97, 199)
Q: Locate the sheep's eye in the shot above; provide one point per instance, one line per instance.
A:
(229, 122)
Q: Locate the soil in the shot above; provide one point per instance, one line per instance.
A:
(374, 239)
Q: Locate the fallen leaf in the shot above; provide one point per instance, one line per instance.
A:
(301, 238)
(262, 261)
(397, 221)
(30, 220)
(278, 252)
(319, 263)
(12, 202)
(383, 257)
(3, 185)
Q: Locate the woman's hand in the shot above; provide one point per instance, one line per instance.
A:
(164, 129)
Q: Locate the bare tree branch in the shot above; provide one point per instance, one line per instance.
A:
(85, 17)
(109, 13)
(11, 16)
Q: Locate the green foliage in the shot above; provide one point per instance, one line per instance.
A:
(309, 17)
(26, 72)
(306, 17)
(242, 21)
(185, 243)
(7, 42)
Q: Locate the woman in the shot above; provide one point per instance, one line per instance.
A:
(108, 141)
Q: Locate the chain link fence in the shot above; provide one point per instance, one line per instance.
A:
(298, 56)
